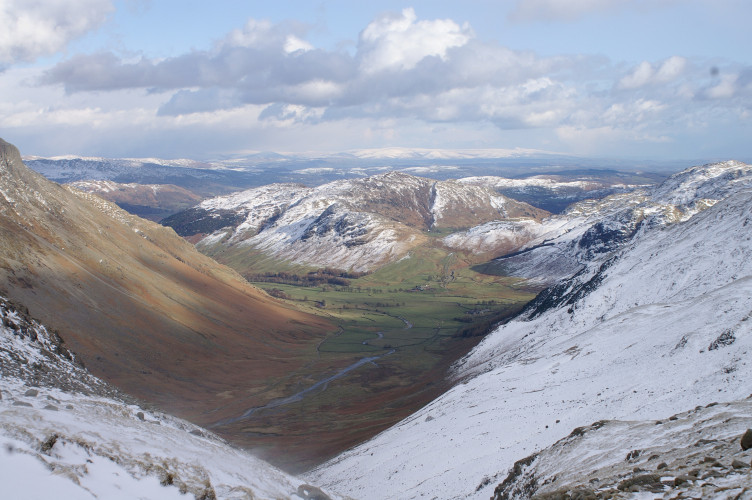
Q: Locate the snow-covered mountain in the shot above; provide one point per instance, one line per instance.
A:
(67, 434)
(555, 192)
(254, 169)
(655, 326)
(564, 244)
(351, 224)
(205, 178)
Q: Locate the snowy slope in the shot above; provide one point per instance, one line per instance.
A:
(660, 327)
(149, 201)
(589, 230)
(71, 168)
(67, 434)
(349, 224)
(555, 192)
(693, 454)
(500, 236)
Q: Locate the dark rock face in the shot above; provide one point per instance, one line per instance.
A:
(196, 220)
(644, 480)
(567, 292)
(518, 483)
(311, 493)
(725, 339)
(345, 225)
(602, 238)
(747, 440)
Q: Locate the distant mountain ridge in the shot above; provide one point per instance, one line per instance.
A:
(356, 224)
(565, 243)
(224, 175)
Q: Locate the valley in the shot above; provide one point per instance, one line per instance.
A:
(399, 330)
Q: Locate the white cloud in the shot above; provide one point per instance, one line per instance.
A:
(644, 74)
(293, 44)
(255, 32)
(641, 75)
(33, 28)
(671, 69)
(399, 42)
(725, 89)
(410, 80)
(316, 91)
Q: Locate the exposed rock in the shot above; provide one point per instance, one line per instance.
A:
(643, 480)
(49, 443)
(747, 440)
(309, 492)
(724, 339)
(679, 480)
(32, 393)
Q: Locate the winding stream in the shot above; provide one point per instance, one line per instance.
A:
(298, 396)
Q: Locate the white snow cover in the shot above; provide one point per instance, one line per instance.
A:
(668, 328)
(607, 453)
(534, 181)
(99, 186)
(591, 228)
(110, 186)
(338, 224)
(450, 194)
(712, 181)
(67, 435)
(490, 236)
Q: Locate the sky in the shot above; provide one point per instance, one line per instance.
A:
(622, 79)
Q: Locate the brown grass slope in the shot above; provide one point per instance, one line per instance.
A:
(142, 308)
(150, 201)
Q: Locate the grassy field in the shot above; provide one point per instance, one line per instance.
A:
(413, 317)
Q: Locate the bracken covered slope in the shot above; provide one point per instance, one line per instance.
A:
(658, 326)
(150, 201)
(141, 306)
